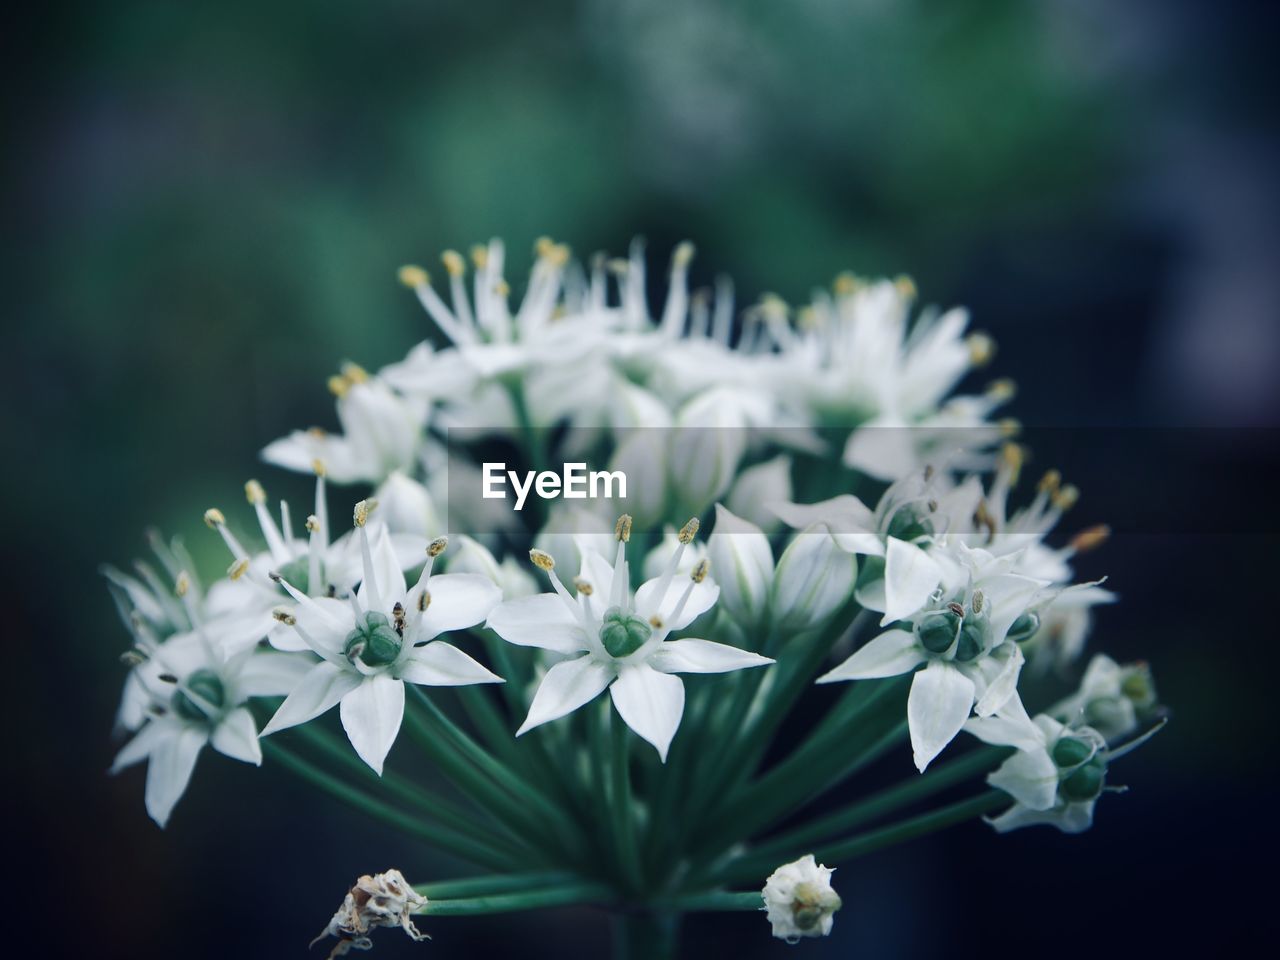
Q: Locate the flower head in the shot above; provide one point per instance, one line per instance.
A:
(618, 640)
(380, 637)
(799, 900)
(383, 900)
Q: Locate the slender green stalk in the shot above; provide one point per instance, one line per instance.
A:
(493, 884)
(790, 844)
(715, 901)
(755, 868)
(465, 847)
(554, 896)
(623, 803)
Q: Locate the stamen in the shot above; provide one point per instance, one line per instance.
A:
(700, 570)
(270, 532)
(1002, 390)
(362, 510)
(182, 584)
(370, 582)
(622, 529)
(583, 587)
(1066, 498)
(689, 531)
(846, 284)
(437, 547)
(982, 349)
(214, 518)
(419, 281)
(1090, 539)
(238, 568)
(355, 373)
(673, 314)
(285, 617)
(543, 561)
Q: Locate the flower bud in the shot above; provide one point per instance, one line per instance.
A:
(743, 562)
(814, 578)
(1086, 782)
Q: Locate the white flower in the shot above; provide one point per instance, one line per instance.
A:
(799, 900)
(964, 639)
(744, 561)
(1111, 699)
(382, 433)
(617, 640)
(384, 900)
(511, 578)
(759, 486)
(1057, 774)
(381, 638)
(186, 694)
(313, 565)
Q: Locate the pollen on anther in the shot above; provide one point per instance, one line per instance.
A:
(689, 530)
(453, 263)
(285, 617)
(254, 493)
(655, 621)
(622, 529)
(413, 277)
(318, 467)
(424, 601)
(355, 373)
(543, 561)
(238, 569)
(1050, 482)
(437, 546)
(1090, 539)
(360, 515)
(583, 587)
(182, 584)
(700, 570)
(1066, 498)
(982, 349)
(313, 524)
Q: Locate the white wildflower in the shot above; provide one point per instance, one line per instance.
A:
(799, 901)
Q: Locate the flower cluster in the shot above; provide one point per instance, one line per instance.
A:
(760, 423)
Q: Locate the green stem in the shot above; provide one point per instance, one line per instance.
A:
(715, 901)
(561, 896)
(645, 935)
(623, 804)
(473, 850)
(467, 887)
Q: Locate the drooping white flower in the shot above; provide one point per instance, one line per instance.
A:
(380, 638)
(382, 432)
(186, 693)
(799, 900)
(618, 640)
(383, 900)
(964, 639)
(1057, 773)
(1112, 698)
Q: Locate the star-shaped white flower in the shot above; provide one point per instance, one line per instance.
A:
(618, 641)
(383, 636)
(187, 694)
(967, 641)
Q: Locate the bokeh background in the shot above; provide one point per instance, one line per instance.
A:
(205, 206)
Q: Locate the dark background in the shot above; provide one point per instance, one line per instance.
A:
(205, 206)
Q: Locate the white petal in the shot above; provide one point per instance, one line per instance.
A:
(1030, 777)
(169, 770)
(1016, 730)
(888, 655)
(325, 622)
(845, 514)
(742, 562)
(940, 700)
(566, 687)
(371, 715)
(458, 601)
(539, 621)
(1009, 595)
(650, 601)
(651, 703)
(269, 673)
(1004, 686)
(236, 737)
(441, 664)
(387, 573)
(910, 575)
(141, 746)
(703, 656)
(317, 692)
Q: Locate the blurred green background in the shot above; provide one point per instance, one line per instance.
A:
(206, 206)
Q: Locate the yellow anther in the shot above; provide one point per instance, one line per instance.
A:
(413, 277)
(317, 433)
(1009, 427)
(1090, 538)
(502, 288)
(700, 570)
(453, 263)
(318, 467)
(543, 561)
(683, 254)
(339, 385)
(437, 546)
(362, 510)
(182, 584)
(214, 518)
(906, 287)
(543, 246)
(238, 569)
(355, 373)
(1050, 482)
(689, 530)
(254, 493)
(807, 318)
(313, 524)
(285, 617)
(846, 284)
(424, 601)
(655, 621)
(1012, 457)
(480, 256)
(981, 349)
(558, 255)
(583, 586)
(1002, 390)
(622, 529)
(1066, 498)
